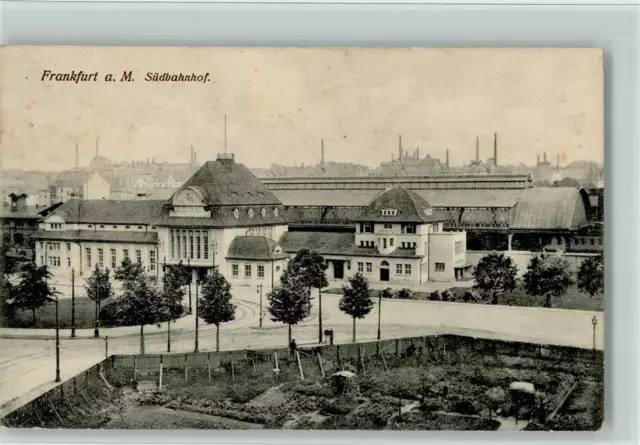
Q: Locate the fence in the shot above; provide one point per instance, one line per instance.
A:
(308, 362)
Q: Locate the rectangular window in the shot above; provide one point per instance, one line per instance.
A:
(184, 244)
(440, 267)
(68, 247)
(398, 269)
(114, 260)
(413, 245)
(139, 256)
(152, 260)
(68, 262)
(247, 270)
(360, 267)
(198, 246)
(101, 257)
(591, 241)
(54, 261)
(260, 271)
(190, 244)
(173, 243)
(87, 254)
(407, 269)
(384, 243)
(391, 242)
(234, 270)
(409, 228)
(361, 243)
(388, 226)
(369, 267)
(42, 260)
(205, 242)
(178, 244)
(403, 245)
(367, 228)
(125, 254)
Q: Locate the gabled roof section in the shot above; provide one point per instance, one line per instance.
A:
(405, 206)
(71, 178)
(110, 211)
(226, 183)
(549, 208)
(255, 248)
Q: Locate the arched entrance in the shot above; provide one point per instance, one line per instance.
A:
(384, 271)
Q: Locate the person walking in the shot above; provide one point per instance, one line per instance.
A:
(293, 347)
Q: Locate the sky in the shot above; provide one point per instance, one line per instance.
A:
(280, 103)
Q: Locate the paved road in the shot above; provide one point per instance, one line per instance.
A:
(27, 366)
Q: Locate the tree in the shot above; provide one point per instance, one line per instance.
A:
(215, 304)
(172, 295)
(289, 302)
(33, 291)
(129, 273)
(404, 294)
(496, 274)
(356, 299)
(547, 276)
(496, 397)
(591, 276)
(98, 289)
(141, 303)
(566, 182)
(311, 267)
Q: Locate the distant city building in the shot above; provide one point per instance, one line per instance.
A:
(78, 184)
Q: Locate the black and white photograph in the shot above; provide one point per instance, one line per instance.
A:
(302, 238)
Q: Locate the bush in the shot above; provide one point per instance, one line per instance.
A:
(470, 296)
(465, 406)
(374, 414)
(340, 406)
(435, 296)
(447, 295)
(404, 294)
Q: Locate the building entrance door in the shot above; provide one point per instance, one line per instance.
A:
(384, 271)
(338, 270)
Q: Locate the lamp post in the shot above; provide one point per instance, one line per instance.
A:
(379, 312)
(73, 303)
(594, 322)
(260, 292)
(196, 345)
(190, 279)
(57, 341)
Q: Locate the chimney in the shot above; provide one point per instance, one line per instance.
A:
(226, 159)
(538, 158)
(447, 158)
(558, 163)
(191, 156)
(418, 153)
(97, 147)
(477, 148)
(195, 158)
(400, 150)
(495, 149)
(77, 156)
(545, 156)
(322, 153)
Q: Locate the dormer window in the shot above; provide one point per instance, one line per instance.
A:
(428, 212)
(389, 212)
(114, 227)
(250, 213)
(277, 250)
(102, 227)
(128, 227)
(236, 213)
(263, 213)
(140, 227)
(90, 226)
(153, 228)
(275, 212)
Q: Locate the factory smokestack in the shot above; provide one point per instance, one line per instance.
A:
(191, 156)
(322, 153)
(477, 148)
(538, 158)
(97, 147)
(495, 149)
(77, 156)
(418, 153)
(400, 155)
(447, 158)
(545, 156)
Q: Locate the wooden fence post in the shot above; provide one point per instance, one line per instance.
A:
(320, 363)
(160, 379)
(361, 357)
(209, 365)
(186, 368)
(233, 372)
(299, 365)
(135, 367)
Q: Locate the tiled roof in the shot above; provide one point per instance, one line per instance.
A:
(28, 212)
(334, 243)
(552, 208)
(105, 236)
(111, 211)
(224, 217)
(224, 182)
(409, 205)
(255, 248)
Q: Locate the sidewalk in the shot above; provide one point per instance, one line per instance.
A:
(422, 287)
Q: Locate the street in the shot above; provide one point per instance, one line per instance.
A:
(27, 365)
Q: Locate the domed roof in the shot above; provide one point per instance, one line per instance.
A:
(399, 205)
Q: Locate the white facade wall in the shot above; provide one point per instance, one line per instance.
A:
(97, 187)
(272, 273)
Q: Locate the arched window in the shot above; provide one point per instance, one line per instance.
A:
(384, 264)
(263, 212)
(90, 226)
(102, 227)
(139, 227)
(127, 227)
(115, 227)
(250, 213)
(275, 212)
(236, 213)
